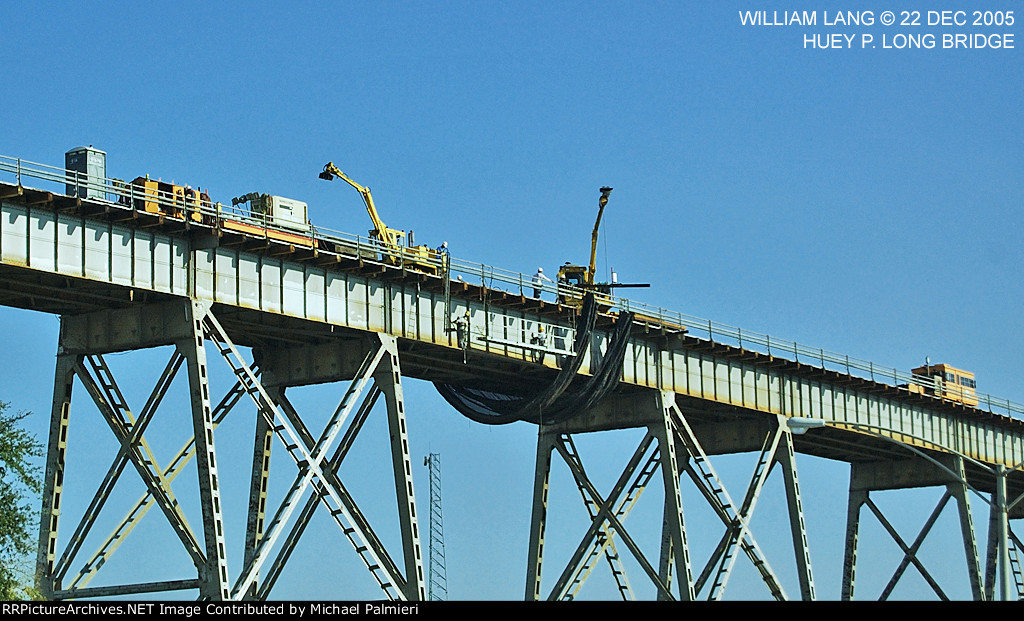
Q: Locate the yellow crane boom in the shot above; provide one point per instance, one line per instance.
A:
(575, 279)
(605, 191)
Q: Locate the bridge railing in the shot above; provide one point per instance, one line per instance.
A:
(124, 195)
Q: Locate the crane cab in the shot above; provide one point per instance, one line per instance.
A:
(574, 281)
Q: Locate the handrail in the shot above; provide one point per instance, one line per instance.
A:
(122, 194)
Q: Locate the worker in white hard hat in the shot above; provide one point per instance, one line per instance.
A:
(442, 255)
(538, 281)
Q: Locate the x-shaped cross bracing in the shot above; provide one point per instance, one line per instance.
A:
(317, 469)
(659, 448)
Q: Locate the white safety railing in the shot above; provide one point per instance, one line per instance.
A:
(125, 195)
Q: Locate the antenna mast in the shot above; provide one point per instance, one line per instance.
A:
(438, 578)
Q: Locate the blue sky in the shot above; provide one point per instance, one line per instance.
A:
(867, 201)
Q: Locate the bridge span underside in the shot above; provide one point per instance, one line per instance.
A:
(282, 316)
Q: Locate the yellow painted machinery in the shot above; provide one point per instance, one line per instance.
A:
(177, 201)
(420, 258)
(946, 382)
(574, 281)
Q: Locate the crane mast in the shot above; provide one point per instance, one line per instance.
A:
(575, 280)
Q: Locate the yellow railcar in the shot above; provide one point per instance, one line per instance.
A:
(942, 380)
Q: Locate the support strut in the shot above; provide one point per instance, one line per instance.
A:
(671, 447)
(188, 327)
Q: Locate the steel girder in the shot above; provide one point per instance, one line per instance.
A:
(671, 446)
(317, 468)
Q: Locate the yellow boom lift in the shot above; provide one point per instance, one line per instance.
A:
(419, 258)
(580, 279)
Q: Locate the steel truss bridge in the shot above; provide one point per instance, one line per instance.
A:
(346, 311)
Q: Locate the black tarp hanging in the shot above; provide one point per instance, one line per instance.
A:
(554, 403)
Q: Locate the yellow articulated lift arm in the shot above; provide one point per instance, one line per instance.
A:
(390, 237)
(420, 258)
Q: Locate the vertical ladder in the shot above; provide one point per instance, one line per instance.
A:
(604, 541)
(1015, 568)
(701, 472)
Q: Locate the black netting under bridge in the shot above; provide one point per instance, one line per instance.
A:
(557, 402)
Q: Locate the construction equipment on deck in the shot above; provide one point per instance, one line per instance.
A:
(945, 382)
(575, 280)
(420, 258)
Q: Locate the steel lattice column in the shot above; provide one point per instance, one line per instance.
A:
(255, 523)
(786, 458)
(214, 575)
(854, 502)
(53, 487)
(388, 378)
(961, 492)
(1000, 524)
(538, 522)
(674, 544)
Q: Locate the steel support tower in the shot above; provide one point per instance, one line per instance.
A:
(368, 367)
(679, 447)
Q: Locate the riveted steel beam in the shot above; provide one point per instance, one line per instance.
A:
(53, 482)
(213, 575)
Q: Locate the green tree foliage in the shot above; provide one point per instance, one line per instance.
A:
(19, 492)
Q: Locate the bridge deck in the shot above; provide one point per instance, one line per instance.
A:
(66, 256)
